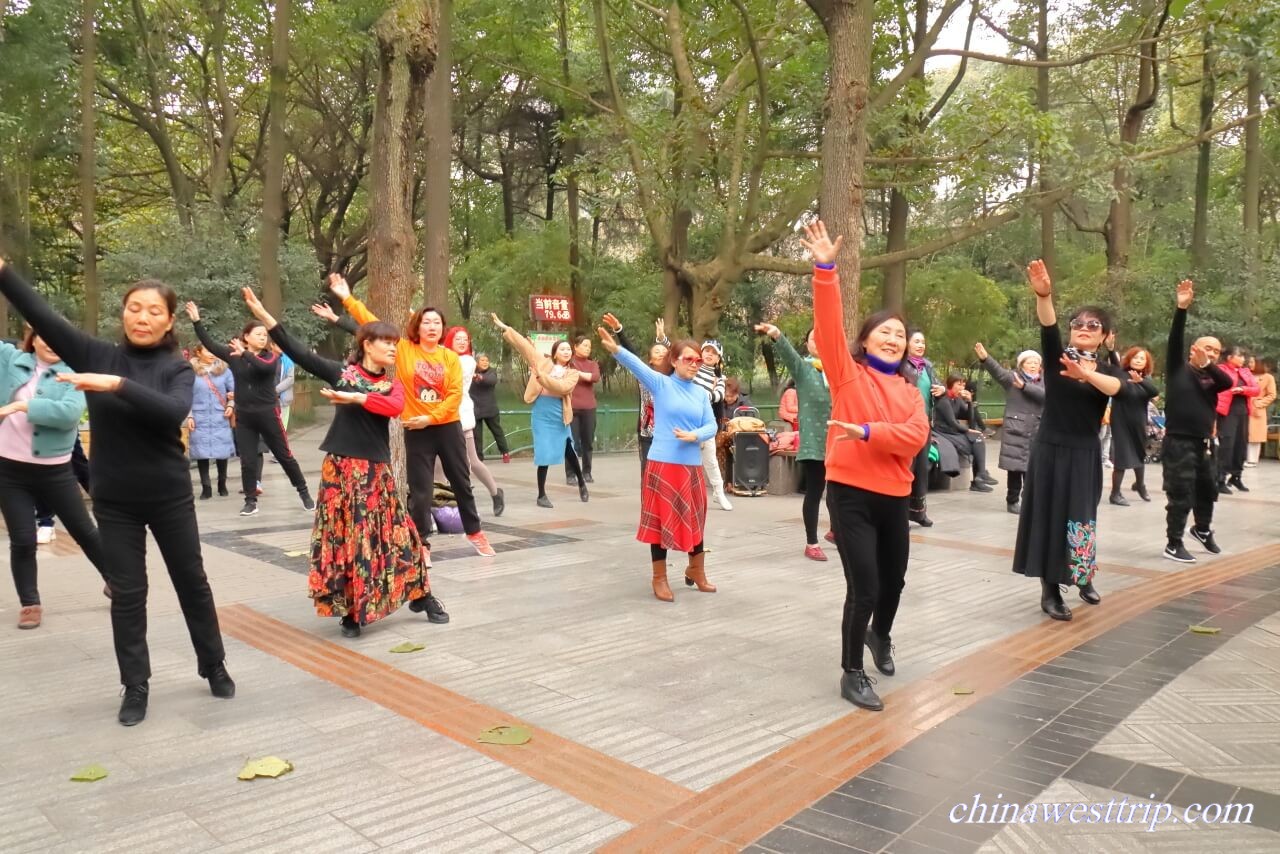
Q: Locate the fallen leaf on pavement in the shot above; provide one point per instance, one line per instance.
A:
(267, 766)
(407, 646)
(89, 774)
(505, 735)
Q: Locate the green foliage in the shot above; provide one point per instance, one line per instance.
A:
(956, 307)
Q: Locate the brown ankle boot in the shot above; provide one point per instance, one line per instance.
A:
(696, 573)
(661, 588)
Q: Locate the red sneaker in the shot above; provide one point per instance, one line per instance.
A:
(481, 544)
(506, 458)
(814, 553)
(830, 537)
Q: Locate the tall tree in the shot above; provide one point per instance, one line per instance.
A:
(438, 171)
(88, 164)
(1252, 188)
(273, 199)
(1204, 158)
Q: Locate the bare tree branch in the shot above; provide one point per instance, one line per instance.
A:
(913, 65)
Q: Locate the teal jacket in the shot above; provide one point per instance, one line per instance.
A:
(815, 401)
(54, 410)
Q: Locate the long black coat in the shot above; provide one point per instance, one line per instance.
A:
(1023, 407)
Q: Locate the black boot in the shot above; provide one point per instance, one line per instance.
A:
(881, 652)
(1237, 484)
(222, 489)
(220, 684)
(133, 708)
(1051, 601)
(206, 491)
(1088, 594)
(350, 628)
(917, 513)
(855, 686)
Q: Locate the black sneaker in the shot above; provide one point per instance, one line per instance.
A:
(499, 502)
(133, 708)
(979, 486)
(881, 652)
(1205, 538)
(250, 508)
(1178, 552)
(350, 628)
(1237, 484)
(986, 478)
(220, 684)
(307, 503)
(583, 493)
(1223, 489)
(432, 606)
(855, 686)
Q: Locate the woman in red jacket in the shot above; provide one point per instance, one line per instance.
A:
(878, 426)
(1233, 420)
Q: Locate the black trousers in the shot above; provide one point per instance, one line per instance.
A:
(1190, 484)
(583, 428)
(124, 542)
(815, 484)
(265, 425)
(422, 448)
(494, 423)
(874, 544)
(920, 474)
(23, 487)
(645, 442)
(80, 466)
(1014, 490)
(203, 467)
(1233, 439)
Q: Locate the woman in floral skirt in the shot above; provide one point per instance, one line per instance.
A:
(366, 556)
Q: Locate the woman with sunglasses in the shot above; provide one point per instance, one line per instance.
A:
(432, 378)
(1129, 423)
(673, 497)
(1058, 526)
(552, 380)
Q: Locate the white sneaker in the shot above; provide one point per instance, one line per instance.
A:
(1250, 465)
(722, 499)
(44, 535)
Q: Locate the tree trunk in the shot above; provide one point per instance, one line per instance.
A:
(273, 169)
(1048, 247)
(88, 162)
(895, 275)
(439, 132)
(569, 149)
(1252, 191)
(406, 40)
(1200, 223)
(848, 25)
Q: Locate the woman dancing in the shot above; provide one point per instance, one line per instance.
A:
(1129, 423)
(457, 339)
(140, 473)
(366, 556)
(1058, 528)
(658, 360)
(1024, 406)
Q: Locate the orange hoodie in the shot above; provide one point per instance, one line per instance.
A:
(432, 380)
(891, 408)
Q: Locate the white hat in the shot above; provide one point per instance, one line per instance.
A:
(1026, 354)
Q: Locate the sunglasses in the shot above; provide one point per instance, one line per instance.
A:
(689, 360)
(1092, 324)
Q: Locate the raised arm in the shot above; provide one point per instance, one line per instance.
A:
(78, 349)
(796, 366)
(828, 305)
(647, 376)
(997, 371)
(1042, 287)
(313, 363)
(222, 351)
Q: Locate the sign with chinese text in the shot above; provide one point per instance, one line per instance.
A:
(551, 309)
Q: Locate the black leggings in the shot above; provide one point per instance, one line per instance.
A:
(871, 535)
(920, 472)
(422, 448)
(264, 424)
(583, 428)
(203, 467)
(124, 542)
(659, 553)
(1013, 493)
(1233, 440)
(645, 443)
(499, 436)
(570, 463)
(23, 487)
(80, 466)
(815, 484)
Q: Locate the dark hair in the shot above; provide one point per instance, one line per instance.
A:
(250, 326)
(556, 346)
(28, 344)
(913, 331)
(1098, 312)
(578, 339)
(167, 294)
(1267, 366)
(415, 320)
(676, 349)
(378, 330)
(952, 379)
(733, 382)
(1129, 355)
(789, 384)
(1234, 350)
(859, 353)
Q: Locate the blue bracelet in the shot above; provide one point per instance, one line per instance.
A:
(824, 266)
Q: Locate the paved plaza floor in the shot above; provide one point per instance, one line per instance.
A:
(711, 724)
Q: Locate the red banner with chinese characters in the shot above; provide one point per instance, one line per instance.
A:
(551, 309)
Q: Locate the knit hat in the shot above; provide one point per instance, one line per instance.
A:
(1024, 355)
(714, 345)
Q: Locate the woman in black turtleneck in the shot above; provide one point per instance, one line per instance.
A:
(254, 366)
(139, 395)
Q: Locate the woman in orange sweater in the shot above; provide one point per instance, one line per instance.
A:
(432, 378)
(877, 427)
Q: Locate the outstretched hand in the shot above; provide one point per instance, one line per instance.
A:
(980, 351)
(768, 329)
(338, 286)
(611, 321)
(820, 245)
(193, 311)
(1078, 371)
(324, 312)
(1038, 273)
(236, 346)
(497, 321)
(254, 304)
(344, 397)
(606, 340)
(1186, 293)
(851, 431)
(92, 382)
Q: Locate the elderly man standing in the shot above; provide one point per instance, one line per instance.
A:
(1190, 477)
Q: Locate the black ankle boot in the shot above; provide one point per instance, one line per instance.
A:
(1088, 594)
(1141, 490)
(881, 652)
(1051, 601)
(222, 489)
(206, 491)
(917, 513)
(855, 686)
(133, 708)
(350, 628)
(220, 684)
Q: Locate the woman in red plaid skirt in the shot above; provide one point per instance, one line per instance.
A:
(673, 500)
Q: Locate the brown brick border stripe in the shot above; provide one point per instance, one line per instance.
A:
(1001, 551)
(733, 813)
(592, 777)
